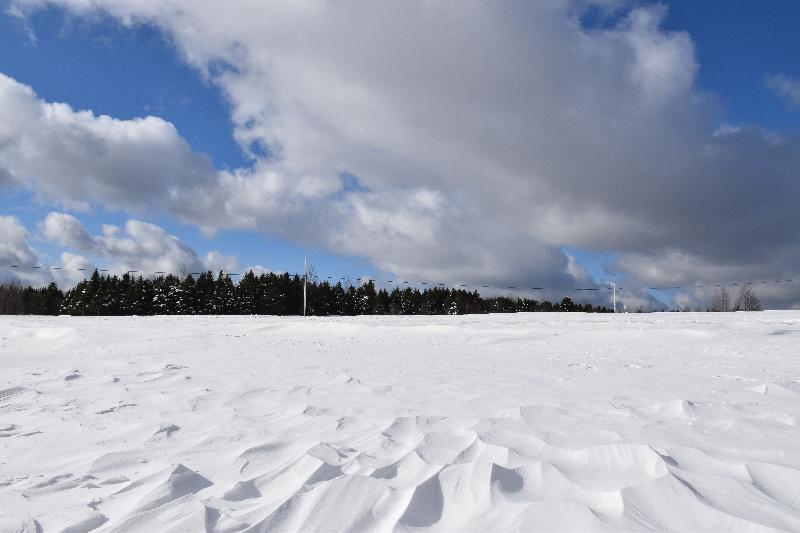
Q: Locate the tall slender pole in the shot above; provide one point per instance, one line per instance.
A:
(614, 284)
(305, 281)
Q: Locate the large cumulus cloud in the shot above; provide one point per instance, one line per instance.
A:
(78, 158)
(482, 137)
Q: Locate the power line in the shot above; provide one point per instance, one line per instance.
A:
(610, 286)
(343, 278)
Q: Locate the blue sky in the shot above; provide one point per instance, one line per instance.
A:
(740, 43)
(128, 71)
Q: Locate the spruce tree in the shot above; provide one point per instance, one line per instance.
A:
(188, 296)
(247, 294)
(365, 298)
(224, 295)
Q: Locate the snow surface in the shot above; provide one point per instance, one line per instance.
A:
(497, 422)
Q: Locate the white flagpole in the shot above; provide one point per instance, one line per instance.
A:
(305, 280)
(615, 292)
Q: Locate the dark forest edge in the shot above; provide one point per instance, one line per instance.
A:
(256, 294)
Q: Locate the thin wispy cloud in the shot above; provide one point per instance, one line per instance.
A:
(785, 87)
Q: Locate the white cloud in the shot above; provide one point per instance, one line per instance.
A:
(785, 87)
(147, 248)
(66, 230)
(77, 158)
(138, 246)
(484, 136)
(14, 247)
(215, 261)
(74, 268)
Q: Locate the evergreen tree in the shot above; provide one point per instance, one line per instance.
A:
(206, 303)
(188, 296)
(338, 299)
(225, 295)
(382, 304)
(52, 299)
(365, 298)
(351, 301)
(323, 299)
(166, 295)
(247, 294)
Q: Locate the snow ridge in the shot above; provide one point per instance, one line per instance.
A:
(473, 423)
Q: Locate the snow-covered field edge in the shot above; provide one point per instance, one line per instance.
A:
(488, 422)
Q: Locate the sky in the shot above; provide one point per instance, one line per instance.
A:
(507, 144)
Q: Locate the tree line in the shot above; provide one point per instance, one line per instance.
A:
(18, 300)
(257, 294)
(747, 300)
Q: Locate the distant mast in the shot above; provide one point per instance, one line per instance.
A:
(614, 286)
(305, 282)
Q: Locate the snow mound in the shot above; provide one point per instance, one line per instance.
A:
(479, 423)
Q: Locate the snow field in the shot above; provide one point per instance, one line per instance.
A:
(550, 422)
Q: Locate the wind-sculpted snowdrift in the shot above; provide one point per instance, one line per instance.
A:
(519, 422)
